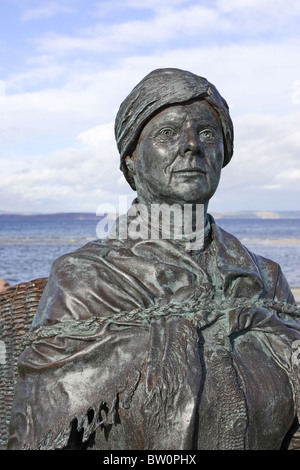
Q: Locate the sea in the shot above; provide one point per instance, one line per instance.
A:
(29, 244)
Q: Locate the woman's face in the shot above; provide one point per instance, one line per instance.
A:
(179, 156)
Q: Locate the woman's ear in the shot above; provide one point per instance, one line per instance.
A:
(130, 163)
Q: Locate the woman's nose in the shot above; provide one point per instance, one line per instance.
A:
(191, 144)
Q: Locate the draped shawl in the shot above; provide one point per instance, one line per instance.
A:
(139, 345)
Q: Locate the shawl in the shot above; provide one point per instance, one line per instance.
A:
(115, 346)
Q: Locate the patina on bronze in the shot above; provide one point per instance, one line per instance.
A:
(141, 344)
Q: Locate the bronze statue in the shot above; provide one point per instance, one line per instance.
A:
(143, 343)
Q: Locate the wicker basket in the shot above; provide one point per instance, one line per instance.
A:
(17, 308)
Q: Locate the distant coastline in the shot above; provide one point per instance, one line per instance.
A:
(54, 215)
(217, 215)
(257, 215)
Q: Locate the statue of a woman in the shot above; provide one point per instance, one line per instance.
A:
(149, 343)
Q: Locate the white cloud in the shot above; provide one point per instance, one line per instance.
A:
(168, 24)
(288, 177)
(259, 7)
(33, 77)
(252, 78)
(2, 93)
(60, 105)
(48, 10)
(264, 170)
(60, 112)
(179, 22)
(96, 136)
(262, 16)
(155, 4)
(74, 179)
(193, 20)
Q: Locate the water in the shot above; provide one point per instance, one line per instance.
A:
(276, 239)
(29, 245)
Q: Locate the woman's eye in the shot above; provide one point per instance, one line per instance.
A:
(167, 132)
(206, 135)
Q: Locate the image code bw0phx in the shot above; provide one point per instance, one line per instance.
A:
(171, 459)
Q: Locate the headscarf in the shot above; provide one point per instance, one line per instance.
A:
(159, 89)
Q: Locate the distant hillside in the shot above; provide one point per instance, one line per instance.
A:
(58, 215)
(216, 215)
(257, 215)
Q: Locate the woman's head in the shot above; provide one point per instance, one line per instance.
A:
(158, 90)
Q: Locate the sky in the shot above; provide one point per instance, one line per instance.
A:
(66, 66)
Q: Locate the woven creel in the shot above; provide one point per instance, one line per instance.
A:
(17, 308)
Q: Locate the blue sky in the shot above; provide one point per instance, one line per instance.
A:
(67, 65)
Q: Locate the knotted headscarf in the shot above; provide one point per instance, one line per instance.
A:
(160, 88)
